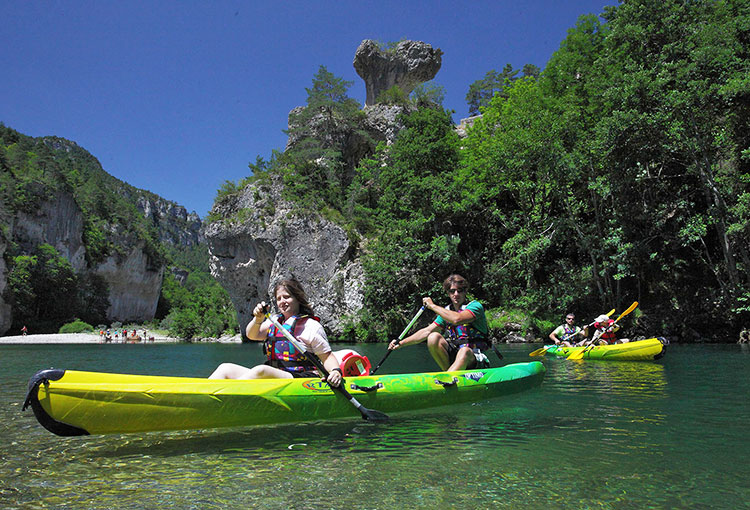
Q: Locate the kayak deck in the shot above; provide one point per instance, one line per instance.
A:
(641, 350)
(69, 402)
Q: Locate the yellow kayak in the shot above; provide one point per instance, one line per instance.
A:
(641, 350)
(69, 403)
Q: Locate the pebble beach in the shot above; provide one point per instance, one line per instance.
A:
(94, 338)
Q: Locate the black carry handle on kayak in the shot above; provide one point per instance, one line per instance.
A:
(398, 340)
(367, 414)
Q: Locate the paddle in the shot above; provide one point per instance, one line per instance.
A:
(400, 337)
(586, 348)
(541, 351)
(367, 414)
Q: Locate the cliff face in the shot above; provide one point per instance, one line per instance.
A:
(248, 256)
(131, 270)
(134, 284)
(5, 311)
(174, 224)
(406, 65)
(57, 222)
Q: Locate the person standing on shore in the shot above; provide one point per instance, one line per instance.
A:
(24, 330)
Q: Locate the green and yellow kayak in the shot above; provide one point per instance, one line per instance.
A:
(641, 350)
(70, 403)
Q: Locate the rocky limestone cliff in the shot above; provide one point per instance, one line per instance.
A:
(261, 238)
(378, 124)
(174, 224)
(134, 283)
(463, 127)
(273, 241)
(5, 310)
(407, 65)
(381, 121)
(51, 214)
(57, 222)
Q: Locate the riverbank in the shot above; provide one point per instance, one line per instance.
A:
(94, 338)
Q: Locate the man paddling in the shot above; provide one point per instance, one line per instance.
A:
(566, 334)
(458, 334)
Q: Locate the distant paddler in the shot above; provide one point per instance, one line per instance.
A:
(567, 333)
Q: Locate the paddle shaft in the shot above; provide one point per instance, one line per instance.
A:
(398, 340)
(367, 414)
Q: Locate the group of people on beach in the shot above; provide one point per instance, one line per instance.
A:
(455, 338)
(126, 336)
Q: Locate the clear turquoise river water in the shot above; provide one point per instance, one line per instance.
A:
(606, 435)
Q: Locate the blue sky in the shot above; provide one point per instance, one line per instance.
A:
(176, 97)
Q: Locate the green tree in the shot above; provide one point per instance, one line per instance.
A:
(20, 288)
(674, 137)
(314, 166)
(204, 312)
(410, 207)
(428, 95)
(514, 171)
(482, 91)
(92, 298)
(43, 288)
(530, 70)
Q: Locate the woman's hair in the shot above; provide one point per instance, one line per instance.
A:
(459, 280)
(294, 288)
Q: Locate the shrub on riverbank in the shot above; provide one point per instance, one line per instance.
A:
(77, 326)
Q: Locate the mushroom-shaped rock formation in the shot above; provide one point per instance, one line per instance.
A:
(407, 64)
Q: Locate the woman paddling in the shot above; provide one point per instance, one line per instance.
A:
(284, 360)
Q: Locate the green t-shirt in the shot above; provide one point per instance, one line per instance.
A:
(479, 324)
(561, 332)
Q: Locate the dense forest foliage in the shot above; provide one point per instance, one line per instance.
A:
(197, 307)
(619, 173)
(44, 290)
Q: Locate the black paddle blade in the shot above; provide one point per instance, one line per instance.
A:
(373, 415)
